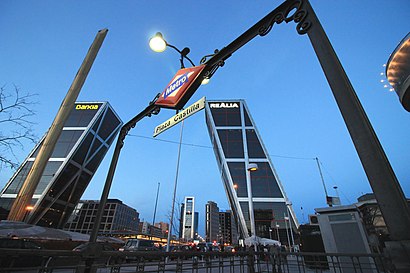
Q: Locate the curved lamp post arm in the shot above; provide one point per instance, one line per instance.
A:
(150, 110)
(183, 53)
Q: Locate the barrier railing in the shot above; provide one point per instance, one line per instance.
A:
(43, 261)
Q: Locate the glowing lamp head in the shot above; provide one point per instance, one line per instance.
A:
(205, 81)
(252, 167)
(157, 43)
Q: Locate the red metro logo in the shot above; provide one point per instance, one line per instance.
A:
(178, 86)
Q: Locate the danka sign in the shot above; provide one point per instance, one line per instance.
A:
(86, 107)
(176, 89)
(223, 105)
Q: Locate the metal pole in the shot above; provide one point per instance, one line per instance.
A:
(175, 189)
(290, 225)
(251, 212)
(151, 109)
(382, 179)
(156, 203)
(323, 181)
(287, 231)
(380, 174)
(18, 209)
(277, 230)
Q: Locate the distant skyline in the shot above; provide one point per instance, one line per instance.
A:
(44, 43)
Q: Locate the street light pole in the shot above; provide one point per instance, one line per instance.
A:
(251, 168)
(288, 204)
(156, 203)
(151, 109)
(286, 226)
(171, 221)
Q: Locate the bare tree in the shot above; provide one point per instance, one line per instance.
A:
(16, 113)
(177, 218)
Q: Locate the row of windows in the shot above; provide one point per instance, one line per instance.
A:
(263, 181)
(230, 116)
(232, 143)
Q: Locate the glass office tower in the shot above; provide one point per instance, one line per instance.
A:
(189, 219)
(237, 143)
(86, 136)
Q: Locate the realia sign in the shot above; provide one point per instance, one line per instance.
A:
(176, 89)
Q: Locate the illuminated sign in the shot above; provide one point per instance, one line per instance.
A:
(189, 111)
(86, 107)
(177, 87)
(224, 105)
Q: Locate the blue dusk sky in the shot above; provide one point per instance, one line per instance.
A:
(43, 44)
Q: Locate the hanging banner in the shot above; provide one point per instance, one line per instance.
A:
(189, 111)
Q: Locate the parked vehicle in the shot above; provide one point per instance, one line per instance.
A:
(18, 244)
(7, 261)
(134, 245)
(104, 247)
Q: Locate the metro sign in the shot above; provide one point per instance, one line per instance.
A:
(176, 89)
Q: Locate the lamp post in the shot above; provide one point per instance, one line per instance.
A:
(158, 44)
(156, 203)
(286, 226)
(93, 248)
(277, 230)
(252, 167)
(288, 204)
(151, 109)
(171, 221)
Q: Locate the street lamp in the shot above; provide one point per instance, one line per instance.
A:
(252, 167)
(277, 231)
(286, 219)
(28, 211)
(288, 204)
(158, 44)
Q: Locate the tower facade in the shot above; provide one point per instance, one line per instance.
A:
(188, 224)
(117, 217)
(86, 136)
(211, 221)
(227, 229)
(237, 143)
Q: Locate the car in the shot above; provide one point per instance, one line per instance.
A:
(10, 261)
(135, 245)
(18, 243)
(104, 247)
